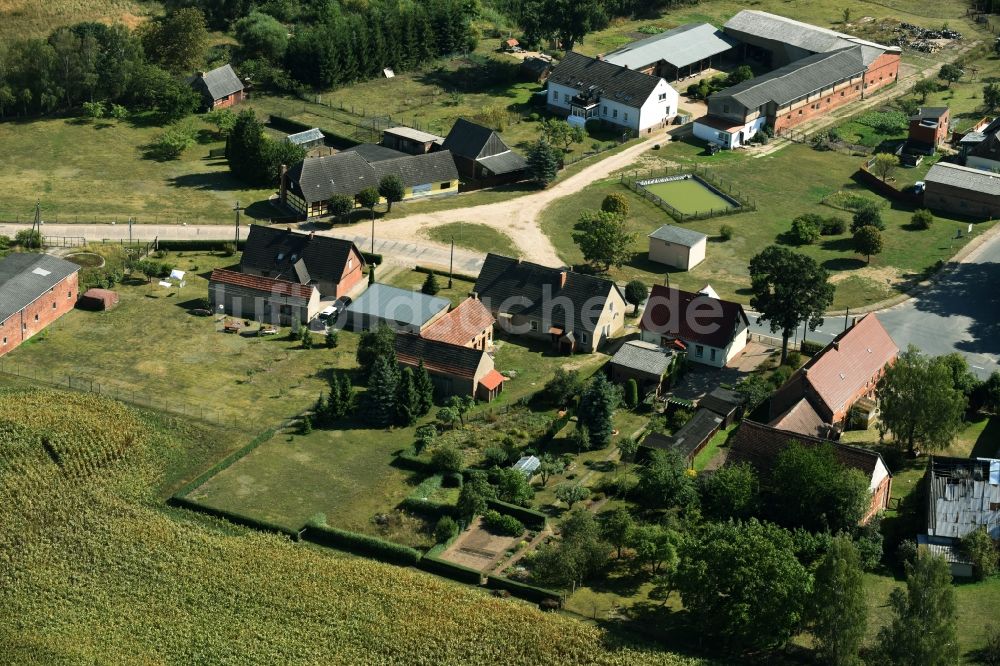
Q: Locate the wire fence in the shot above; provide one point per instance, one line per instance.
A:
(741, 202)
(141, 397)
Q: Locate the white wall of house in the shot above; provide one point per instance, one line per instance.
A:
(560, 95)
(650, 113)
(729, 139)
(704, 354)
(662, 104)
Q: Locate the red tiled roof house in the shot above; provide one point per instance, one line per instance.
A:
(454, 369)
(469, 324)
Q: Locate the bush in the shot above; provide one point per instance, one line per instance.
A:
(499, 523)
(228, 249)
(806, 228)
(833, 226)
(616, 204)
(922, 219)
(780, 376)
(867, 216)
(794, 359)
(495, 456)
(982, 551)
(430, 286)
(445, 529)
(631, 393)
(726, 232)
(530, 517)
(447, 459)
(810, 348)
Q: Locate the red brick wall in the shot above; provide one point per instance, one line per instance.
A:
(933, 135)
(818, 107)
(351, 275)
(879, 500)
(227, 102)
(882, 72)
(22, 325)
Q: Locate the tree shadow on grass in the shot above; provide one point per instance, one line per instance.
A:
(210, 180)
(845, 244)
(843, 264)
(988, 443)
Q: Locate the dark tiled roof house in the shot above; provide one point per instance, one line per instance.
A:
(455, 369)
(333, 265)
(481, 154)
(576, 312)
(219, 88)
(712, 331)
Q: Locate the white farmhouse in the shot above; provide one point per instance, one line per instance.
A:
(582, 88)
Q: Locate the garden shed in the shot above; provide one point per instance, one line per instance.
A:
(98, 300)
(678, 247)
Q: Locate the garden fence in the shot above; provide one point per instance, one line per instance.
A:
(141, 397)
(633, 182)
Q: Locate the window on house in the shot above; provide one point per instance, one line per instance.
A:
(800, 112)
(534, 326)
(712, 355)
(663, 96)
(566, 98)
(626, 116)
(5, 339)
(604, 110)
(699, 351)
(444, 186)
(725, 108)
(69, 294)
(555, 96)
(53, 305)
(36, 317)
(350, 263)
(583, 338)
(614, 113)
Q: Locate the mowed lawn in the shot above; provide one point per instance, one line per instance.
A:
(478, 237)
(96, 171)
(151, 347)
(792, 181)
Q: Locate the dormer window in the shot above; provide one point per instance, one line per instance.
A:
(281, 255)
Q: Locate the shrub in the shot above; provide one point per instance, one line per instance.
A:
(806, 228)
(867, 215)
(499, 523)
(810, 348)
(726, 232)
(430, 286)
(445, 529)
(495, 456)
(228, 249)
(833, 226)
(794, 359)
(616, 204)
(780, 376)
(447, 459)
(906, 552)
(922, 219)
(979, 547)
(631, 393)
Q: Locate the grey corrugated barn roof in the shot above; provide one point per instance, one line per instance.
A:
(802, 35)
(400, 305)
(627, 86)
(24, 278)
(797, 80)
(678, 235)
(644, 356)
(967, 178)
(679, 47)
(963, 495)
(220, 82)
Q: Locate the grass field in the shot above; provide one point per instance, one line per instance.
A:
(25, 18)
(785, 184)
(689, 196)
(478, 237)
(152, 348)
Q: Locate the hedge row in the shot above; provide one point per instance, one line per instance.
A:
(457, 276)
(293, 126)
(440, 567)
(372, 258)
(427, 507)
(197, 244)
(531, 518)
(224, 463)
(235, 518)
(810, 348)
(410, 461)
(522, 590)
(362, 544)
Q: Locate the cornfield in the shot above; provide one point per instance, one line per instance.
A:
(94, 570)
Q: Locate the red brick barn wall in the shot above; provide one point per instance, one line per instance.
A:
(47, 308)
(229, 100)
(817, 105)
(882, 72)
(879, 500)
(352, 274)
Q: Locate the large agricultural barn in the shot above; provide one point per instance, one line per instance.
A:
(818, 70)
(683, 51)
(35, 290)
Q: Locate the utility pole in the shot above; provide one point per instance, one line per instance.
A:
(373, 231)
(847, 313)
(451, 264)
(36, 225)
(238, 208)
(130, 230)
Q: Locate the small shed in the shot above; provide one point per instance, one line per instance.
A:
(510, 45)
(690, 438)
(950, 549)
(648, 364)
(678, 247)
(536, 68)
(307, 139)
(98, 300)
(527, 465)
(726, 403)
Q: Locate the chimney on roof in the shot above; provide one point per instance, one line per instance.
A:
(312, 234)
(562, 279)
(600, 56)
(854, 322)
(200, 75)
(283, 183)
(836, 345)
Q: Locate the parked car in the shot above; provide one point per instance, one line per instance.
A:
(328, 312)
(713, 148)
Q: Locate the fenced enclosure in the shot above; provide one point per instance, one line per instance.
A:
(730, 200)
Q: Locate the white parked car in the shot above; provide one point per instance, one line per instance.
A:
(328, 312)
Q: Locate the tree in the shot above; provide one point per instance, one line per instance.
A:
(32, 239)
(811, 489)
(176, 41)
(868, 241)
(571, 493)
(867, 215)
(252, 156)
(475, 493)
(461, 404)
(332, 338)
(430, 286)
(732, 491)
(447, 416)
(597, 409)
(616, 204)
(93, 109)
(789, 289)
(988, 393)
(839, 612)
(445, 529)
(171, 144)
(884, 165)
(991, 96)
(627, 448)
(340, 205)
(617, 528)
(922, 219)
(846, 14)
(379, 408)
(447, 460)
(306, 338)
(406, 399)
(261, 37)
(636, 292)
(919, 403)
(423, 436)
(223, 119)
(631, 393)
(603, 239)
(922, 630)
(579, 554)
(655, 546)
(391, 188)
(739, 75)
(375, 343)
(369, 198)
(425, 389)
(563, 388)
(950, 72)
(980, 548)
(755, 389)
(543, 161)
(664, 481)
(805, 229)
(923, 88)
(743, 585)
(513, 487)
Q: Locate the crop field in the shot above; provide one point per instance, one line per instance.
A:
(29, 18)
(689, 196)
(780, 197)
(93, 566)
